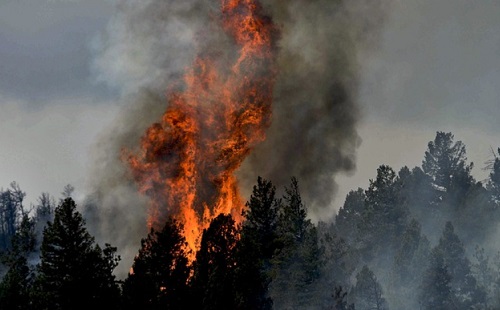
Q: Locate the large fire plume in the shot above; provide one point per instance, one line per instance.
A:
(187, 161)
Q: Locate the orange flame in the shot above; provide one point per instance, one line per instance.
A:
(187, 161)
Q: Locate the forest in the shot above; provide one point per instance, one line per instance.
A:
(417, 238)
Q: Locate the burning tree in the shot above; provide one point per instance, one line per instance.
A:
(187, 160)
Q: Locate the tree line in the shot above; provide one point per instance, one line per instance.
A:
(416, 239)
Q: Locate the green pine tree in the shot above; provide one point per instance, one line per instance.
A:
(258, 243)
(296, 264)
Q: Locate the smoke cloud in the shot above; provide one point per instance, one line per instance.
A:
(313, 134)
(145, 50)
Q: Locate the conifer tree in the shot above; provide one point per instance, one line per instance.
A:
(464, 285)
(493, 184)
(16, 284)
(350, 216)
(368, 291)
(11, 214)
(160, 272)
(445, 161)
(296, 264)
(74, 272)
(214, 268)
(435, 290)
(257, 245)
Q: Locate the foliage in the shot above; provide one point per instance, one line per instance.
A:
(368, 291)
(11, 214)
(16, 285)
(214, 268)
(74, 272)
(445, 162)
(258, 243)
(436, 292)
(416, 229)
(159, 275)
(296, 264)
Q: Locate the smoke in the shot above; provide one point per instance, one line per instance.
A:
(148, 45)
(313, 134)
(145, 49)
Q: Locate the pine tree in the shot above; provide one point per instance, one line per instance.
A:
(493, 184)
(445, 161)
(296, 264)
(338, 260)
(214, 268)
(368, 291)
(435, 290)
(257, 245)
(418, 194)
(350, 216)
(409, 263)
(412, 252)
(385, 216)
(160, 271)
(44, 212)
(16, 284)
(11, 214)
(74, 272)
(483, 272)
(464, 286)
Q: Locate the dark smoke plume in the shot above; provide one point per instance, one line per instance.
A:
(313, 135)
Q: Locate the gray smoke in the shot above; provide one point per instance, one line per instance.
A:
(313, 134)
(149, 43)
(145, 50)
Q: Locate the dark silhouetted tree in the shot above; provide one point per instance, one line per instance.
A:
(160, 271)
(350, 216)
(257, 245)
(418, 193)
(11, 214)
(296, 264)
(74, 272)
(16, 284)
(445, 161)
(214, 268)
(385, 216)
(493, 184)
(44, 212)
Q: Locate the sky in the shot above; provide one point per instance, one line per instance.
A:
(436, 68)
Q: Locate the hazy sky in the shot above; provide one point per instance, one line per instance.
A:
(437, 68)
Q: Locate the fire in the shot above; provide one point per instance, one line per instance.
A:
(186, 162)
